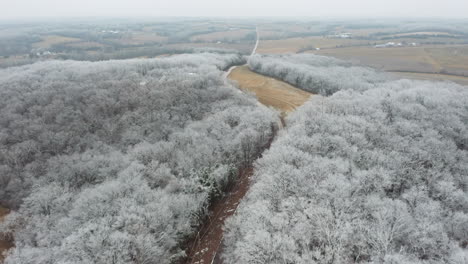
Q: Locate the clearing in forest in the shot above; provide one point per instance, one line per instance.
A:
(269, 91)
(207, 245)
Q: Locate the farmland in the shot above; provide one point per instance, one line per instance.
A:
(113, 39)
(414, 50)
(429, 59)
(146, 142)
(50, 40)
(230, 35)
(295, 45)
(417, 47)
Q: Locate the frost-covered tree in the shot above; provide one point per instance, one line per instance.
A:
(316, 74)
(117, 162)
(371, 175)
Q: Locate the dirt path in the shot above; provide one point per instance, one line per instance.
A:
(209, 239)
(4, 245)
(207, 246)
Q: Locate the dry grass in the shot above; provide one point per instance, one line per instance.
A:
(4, 245)
(49, 41)
(269, 91)
(453, 59)
(222, 35)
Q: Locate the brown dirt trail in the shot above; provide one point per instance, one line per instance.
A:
(4, 244)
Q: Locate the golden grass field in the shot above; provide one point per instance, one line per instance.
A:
(269, 91)
(222, 35)
(48, 41)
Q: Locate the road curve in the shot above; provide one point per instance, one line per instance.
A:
(228, 72)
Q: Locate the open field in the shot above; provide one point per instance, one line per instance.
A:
(294, 45)
(269, 91)
(366, 32)
(431, 59)
(390, 59)
(48, 41)
(241, 47)
(140, 38)
(85, 44)
(4, 245)
(425, 33)
(222, 35)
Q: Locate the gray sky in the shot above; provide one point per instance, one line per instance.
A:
(21, 9)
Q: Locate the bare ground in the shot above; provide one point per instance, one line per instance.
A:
(4, 244)
(205, 247)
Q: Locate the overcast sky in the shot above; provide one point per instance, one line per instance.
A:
(21, 9)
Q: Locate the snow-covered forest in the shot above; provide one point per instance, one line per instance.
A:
(375, 173)
(116, 162)
(316, 74)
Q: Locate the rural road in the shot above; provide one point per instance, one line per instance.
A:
(256, 43)
(228, 72)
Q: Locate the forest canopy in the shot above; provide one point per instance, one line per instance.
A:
(316, 74)
(116, 162)
(375, 173)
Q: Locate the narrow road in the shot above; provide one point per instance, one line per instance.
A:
(207, 246)
(256, 43)
(254, 50)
